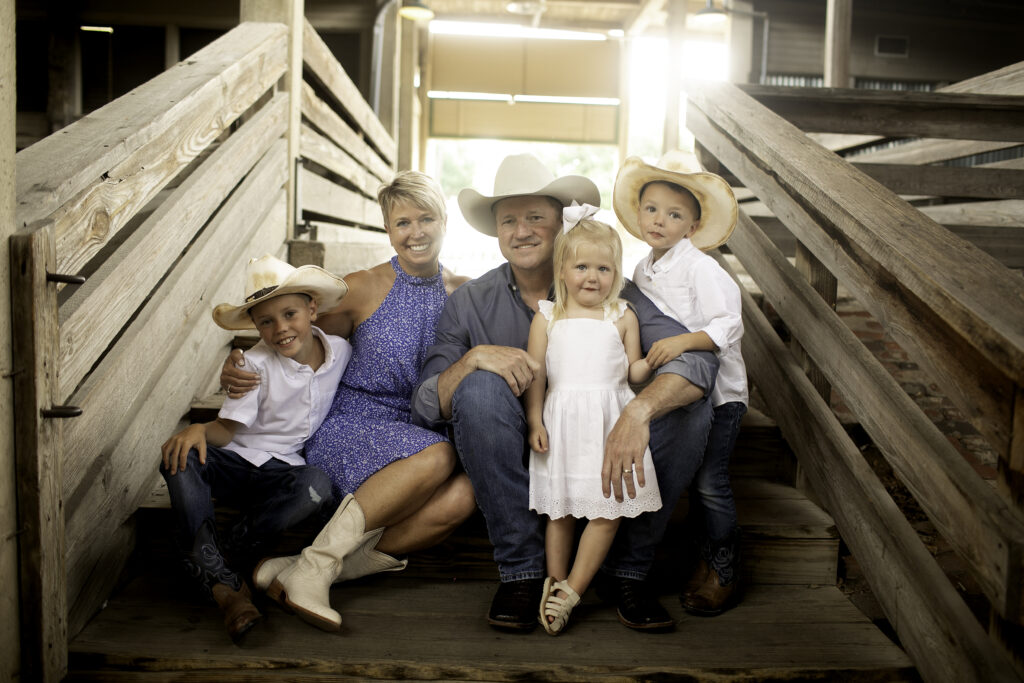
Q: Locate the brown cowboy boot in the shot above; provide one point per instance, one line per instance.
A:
(697, 579)
(240, 614)
(721, 587)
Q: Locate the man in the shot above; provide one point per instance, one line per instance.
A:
(478, 369)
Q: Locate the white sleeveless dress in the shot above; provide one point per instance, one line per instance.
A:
(587, 374)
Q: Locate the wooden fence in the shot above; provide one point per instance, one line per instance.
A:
(156, 200)
(953, 307)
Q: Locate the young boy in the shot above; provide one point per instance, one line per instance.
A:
(681, 213)
(252, 454)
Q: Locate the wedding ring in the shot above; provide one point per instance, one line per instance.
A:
(230, 390)
(629, 471)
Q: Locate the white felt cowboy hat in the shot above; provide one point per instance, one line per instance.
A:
(524, 175)
(718, 209)
(267, 277)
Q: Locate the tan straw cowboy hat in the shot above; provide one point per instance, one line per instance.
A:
(267, 277)
(718, 209)
(522, 175)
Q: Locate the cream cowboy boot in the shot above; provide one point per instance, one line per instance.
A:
(306, 584)
(362, 561)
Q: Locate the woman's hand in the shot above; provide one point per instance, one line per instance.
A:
(236, 381)
(175, 450)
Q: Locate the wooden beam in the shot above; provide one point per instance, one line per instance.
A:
(645, 15)
(948, 181)
(933, 623)
(334, 127)
(970, 515)
(38, 446)
(961, 116)
(121, 285)
(838, 23)
(328, 72)
(907, 270)
(202, 95)
(324, 152)
(325, 198)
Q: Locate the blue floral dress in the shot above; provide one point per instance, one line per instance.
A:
(369, 424)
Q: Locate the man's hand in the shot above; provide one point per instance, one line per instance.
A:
(175, 450)
(624, 454)
(513, 365)
(237, 382)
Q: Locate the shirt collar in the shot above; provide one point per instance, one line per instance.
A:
(680, 251)
(510, 282)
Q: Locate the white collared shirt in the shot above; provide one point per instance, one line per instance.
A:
(290, 403)
(688, 285)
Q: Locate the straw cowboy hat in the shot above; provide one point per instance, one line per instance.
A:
(718, 210)
(267, 277)
(524, 175)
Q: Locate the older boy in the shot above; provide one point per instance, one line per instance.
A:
(251, 455)
(478, 369)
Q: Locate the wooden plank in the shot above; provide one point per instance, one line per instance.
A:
(930, 151)
(319, 149)
(960, 116)
(321, 62)
(330, 124)
(124, 471)
(397, 629)
(116, 290)
(38, 445)
(971, 515)
(1008, 213)
(94, 174)
(112, 395)
(935, 626)
(953, 307)
(948, 181)
(323, 197)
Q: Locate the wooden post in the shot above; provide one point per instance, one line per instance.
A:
(38, 448)
(406, 130)
(388, 79)
(838, 20)
(172, 45)
(676, 35)
(64, 99)
(10, 644)
(289, 13)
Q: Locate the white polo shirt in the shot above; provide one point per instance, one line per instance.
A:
(690, 286)
(290, 403)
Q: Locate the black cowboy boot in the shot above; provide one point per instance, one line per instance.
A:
(721, 587)
(205, 564)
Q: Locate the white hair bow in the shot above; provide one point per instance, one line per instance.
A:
(574, 213)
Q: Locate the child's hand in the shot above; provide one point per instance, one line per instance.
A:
(664, 350)
(175, 449)
(539, 439)
(236, 381)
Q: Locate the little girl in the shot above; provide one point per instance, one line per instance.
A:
(587, 343)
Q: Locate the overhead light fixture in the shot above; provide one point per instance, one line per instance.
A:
(709, 14)
(528, 7)
(415, 10)
(485, 30)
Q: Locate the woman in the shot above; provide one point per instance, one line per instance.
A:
(395, 478)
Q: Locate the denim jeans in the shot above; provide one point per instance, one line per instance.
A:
(273, 497)
(490, 435)
(711, 493)
(677, 446)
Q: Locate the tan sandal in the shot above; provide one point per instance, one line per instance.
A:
(555, 607)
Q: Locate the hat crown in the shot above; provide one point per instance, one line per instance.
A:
(265, 274)
(679, 161)
(521, 174)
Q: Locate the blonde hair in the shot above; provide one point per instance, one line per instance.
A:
(587, 231)
(412, 187)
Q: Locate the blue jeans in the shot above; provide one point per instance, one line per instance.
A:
(490, 435)
(711, 494)
(273, 497)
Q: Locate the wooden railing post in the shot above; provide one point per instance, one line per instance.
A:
(291, 14)
(39, 452)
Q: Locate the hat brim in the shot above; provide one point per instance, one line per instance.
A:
(477, 208)
(718, 208)
(325, 288)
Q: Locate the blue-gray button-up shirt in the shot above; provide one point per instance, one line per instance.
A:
(490, 310)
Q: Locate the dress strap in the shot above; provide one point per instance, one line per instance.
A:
(613, 310)
(546, 308)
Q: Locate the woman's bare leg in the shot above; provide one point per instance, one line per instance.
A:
(451, 504)
(403, 487)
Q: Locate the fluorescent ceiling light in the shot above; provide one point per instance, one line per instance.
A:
(472, 28)
(554, 99)
(98, 29)
(456, 95)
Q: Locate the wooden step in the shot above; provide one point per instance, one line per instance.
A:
(413, 628)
